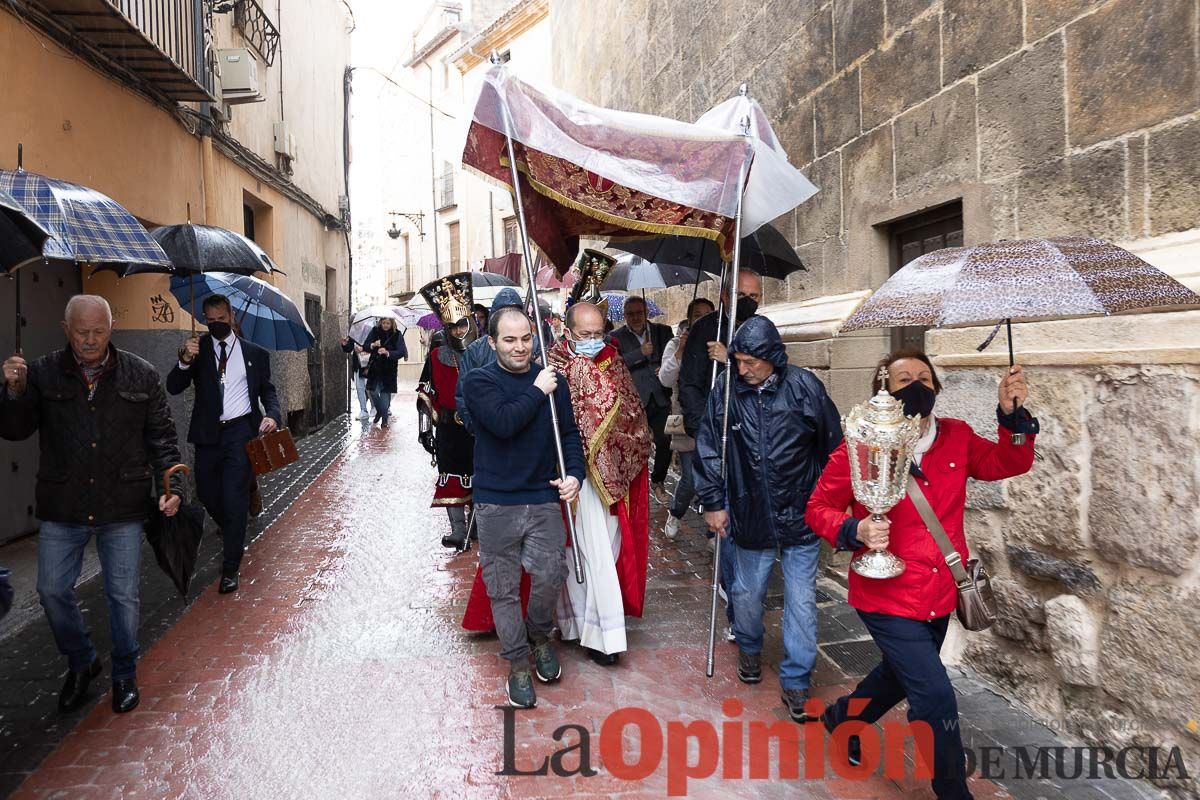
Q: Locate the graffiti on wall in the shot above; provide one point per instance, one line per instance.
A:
(161, 310)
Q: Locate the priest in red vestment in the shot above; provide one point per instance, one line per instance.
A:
(612, 517)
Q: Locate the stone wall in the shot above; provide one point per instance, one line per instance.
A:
(1040, 117)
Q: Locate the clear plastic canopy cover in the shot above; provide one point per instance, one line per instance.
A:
(774, 187)
(692, 165)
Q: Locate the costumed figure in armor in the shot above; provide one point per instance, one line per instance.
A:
(440, 429)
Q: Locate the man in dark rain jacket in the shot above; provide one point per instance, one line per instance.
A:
(782, 429)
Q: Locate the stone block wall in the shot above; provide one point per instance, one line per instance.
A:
(1096, 554)
(1041, 117)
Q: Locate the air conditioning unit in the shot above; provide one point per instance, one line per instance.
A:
(285, 141)
(239, 76)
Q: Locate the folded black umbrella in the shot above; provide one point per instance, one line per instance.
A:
(766, 251)
(176, 540)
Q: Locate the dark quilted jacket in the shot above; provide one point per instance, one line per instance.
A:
(98, 458)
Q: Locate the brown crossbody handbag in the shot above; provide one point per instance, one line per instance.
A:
(976, 603)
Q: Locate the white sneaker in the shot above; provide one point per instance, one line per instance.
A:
(671, 529)
(729, 637)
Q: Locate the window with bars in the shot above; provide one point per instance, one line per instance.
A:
(446, 198)
(455, 251)
(915, 236)
(512, 242)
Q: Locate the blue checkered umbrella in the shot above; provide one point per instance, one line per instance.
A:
(21, 237)
(267, 317)
(85, 226)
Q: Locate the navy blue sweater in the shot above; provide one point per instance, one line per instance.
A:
(514, 445)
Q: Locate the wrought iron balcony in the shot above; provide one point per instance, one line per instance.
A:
(161, 42)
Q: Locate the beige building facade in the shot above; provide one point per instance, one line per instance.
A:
(419, 214)
(136, 111)
(933, 123)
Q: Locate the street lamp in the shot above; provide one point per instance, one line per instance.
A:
(417, 219)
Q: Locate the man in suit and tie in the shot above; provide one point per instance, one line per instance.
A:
(641, 344)
(232, 378)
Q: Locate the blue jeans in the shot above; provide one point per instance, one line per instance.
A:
(912, 670)
(752, 568)
(685, 490)
(360, 383)
(60, 560)
(382, 402)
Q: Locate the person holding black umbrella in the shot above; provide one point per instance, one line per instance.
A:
(105, 432)
(232, 378)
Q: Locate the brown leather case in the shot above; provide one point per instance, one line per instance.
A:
(271, 451)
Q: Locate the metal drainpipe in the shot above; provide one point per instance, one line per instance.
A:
(433, 178)
(347, 89)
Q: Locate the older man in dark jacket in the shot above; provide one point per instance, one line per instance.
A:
(105, 433)
(782, 429)
(642, 344)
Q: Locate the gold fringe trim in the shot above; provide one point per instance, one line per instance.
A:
(451, 501)
(613, 219)
(594, 446)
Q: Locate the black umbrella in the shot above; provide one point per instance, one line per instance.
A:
(766, 251)
(176, 540)
(207, 248)
(489, 279)
(634, 272)
(194, 249)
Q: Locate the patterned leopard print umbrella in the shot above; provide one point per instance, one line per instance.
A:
(1019, 280)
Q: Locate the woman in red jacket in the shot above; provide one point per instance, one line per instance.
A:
(907, 616)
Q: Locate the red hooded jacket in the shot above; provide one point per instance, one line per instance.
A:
(925, 590)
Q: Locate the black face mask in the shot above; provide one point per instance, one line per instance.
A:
(219, 330)
(747, 307)
(918, 399)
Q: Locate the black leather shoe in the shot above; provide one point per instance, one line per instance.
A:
(228, 584)
(125, 696)
(75, 689)
(603, 659)
(454, 541)
(853, 743)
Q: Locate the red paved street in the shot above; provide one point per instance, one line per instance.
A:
(339, 670)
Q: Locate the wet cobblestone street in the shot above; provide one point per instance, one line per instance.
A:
(340, 670)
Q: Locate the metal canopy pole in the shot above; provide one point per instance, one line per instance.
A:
(733, 276)
(537, 319)
(721, 309)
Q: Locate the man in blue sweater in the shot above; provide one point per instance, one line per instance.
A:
(517, 491)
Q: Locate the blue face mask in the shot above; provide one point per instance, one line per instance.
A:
(588, 347)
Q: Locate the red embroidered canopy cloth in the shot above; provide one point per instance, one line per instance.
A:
(594, 172)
